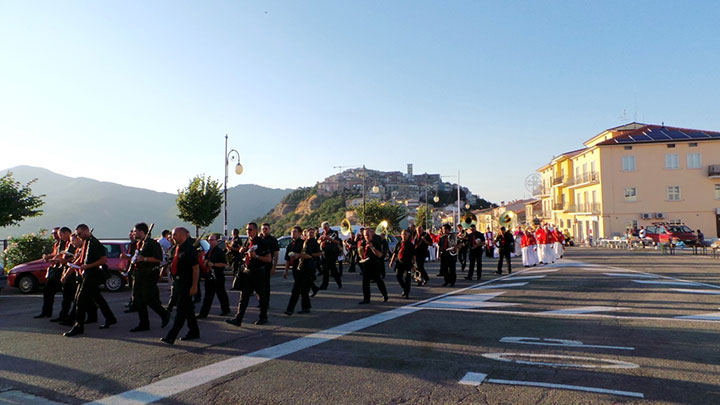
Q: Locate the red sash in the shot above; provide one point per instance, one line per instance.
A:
(174, 264)
(247, 255)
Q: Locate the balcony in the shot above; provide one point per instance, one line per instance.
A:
(559, 207)
(541, 192)
(584, 179)
(714, 171)
(588, 208)
(556, 181)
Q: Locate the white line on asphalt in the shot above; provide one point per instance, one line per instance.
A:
(468, 301)
(558, 342)
(512, 359)
(526, 277)
(540, 271)
(713, 316)
(584, 310)
(631, 275)
(473, 379)
(697, 318)
(691, 291)
(663, 282)
(567, 387)
(190, 379)
(509, 285)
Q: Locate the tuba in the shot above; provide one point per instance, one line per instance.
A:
(468, 220)
(506, 219)
(382, 227)
(345, 227)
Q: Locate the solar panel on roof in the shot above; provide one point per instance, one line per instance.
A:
(623, 140)
(658, 135)
(641, 138)
(677, 135)
(698, 135)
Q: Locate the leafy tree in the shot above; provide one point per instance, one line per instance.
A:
(27, 248)
(200, 202)
(422, 217)
(375, 212)
(17, 201)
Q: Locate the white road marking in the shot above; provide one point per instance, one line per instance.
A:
(467, 301)
(540, 271)
(663, 282)
(473, 379)
(713, 316)
(558, 342)
(190, 379)
(631, 275)
(567, 387)
(19, 397)
(508, 285)
(584, 310)
(526, 277)
(608, 362)
(691, 291)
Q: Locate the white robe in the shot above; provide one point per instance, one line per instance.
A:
(557, 250)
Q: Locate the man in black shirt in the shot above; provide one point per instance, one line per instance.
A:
(505, 243)
(216, 261)
(448, 260)
(422, 242)
(476, 241)
(68, 283)
(299, 258)
(257, 257)
(93, 256)
(147, 272)
(404, 256)
(372, 257)
(274, 249)
(330, 244)
(462, 246)
(186, 274)
(53, 273)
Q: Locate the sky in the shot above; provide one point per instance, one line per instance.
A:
(143, 93)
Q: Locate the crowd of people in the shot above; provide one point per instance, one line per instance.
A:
(77, 266)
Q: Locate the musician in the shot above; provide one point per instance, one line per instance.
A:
(299, 257)
(147, 271)
(447, 246)
(404, 257)
(351, 248)
(360, 248)
(93, 256)
(216, 262)
(475, 242)
(186, 275)
(272, 244)
(422, 243)
(372, 256)
(506, 244)
(130, 270)
(67, 279)
(462, 246)
(489, 239)
(529, 248)
(330, 244)
(233, 248)
(558, 240)
(257, 257)
(53, 272)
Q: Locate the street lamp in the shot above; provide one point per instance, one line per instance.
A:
(234, 156)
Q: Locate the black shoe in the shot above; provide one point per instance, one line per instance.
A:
(445, 284)
(304, 311)
(129, 310)
(74, 332)
(314, 293)
(385, 298)
(191, 336)
(407, 296)
(140, 328)
(425, 282)
(260, 322)
(363, 302)
(498, 272)
(288, 313)
(42, 316)
(168, 340)
(109, 323)
(165, 320)
(339, 286)
(452, 285)
(234, 321)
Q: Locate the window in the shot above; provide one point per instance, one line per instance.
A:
(628, 148)
(673, 193)
(672, 161)
(717, 191)
(671, 145)
(630, 194)
(694, 161)
(693, 144)
(628, 163)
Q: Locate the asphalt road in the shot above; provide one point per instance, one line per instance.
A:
(599, 326)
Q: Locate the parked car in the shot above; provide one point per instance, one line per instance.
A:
(28, 277)
(662, 232)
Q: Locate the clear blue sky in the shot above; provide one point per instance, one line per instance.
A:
(142, 93)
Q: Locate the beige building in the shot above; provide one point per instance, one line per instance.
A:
(632, 176)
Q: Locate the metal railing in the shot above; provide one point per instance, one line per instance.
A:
(592, 208)
(559, 207)
(558, 180)
(585, 178)
(540, 191)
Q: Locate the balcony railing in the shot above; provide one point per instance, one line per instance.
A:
(559, 207)
(541, 191)
(714, 171)
(588, 208)
(558, 180)
(585, 178)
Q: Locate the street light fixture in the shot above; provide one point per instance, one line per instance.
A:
(234, 156)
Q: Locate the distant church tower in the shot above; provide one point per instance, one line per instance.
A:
(409, 172)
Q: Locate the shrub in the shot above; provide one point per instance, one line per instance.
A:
(27, 248)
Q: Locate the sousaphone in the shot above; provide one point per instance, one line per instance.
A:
(382, 228)
(345, 227)
(506, 219)
(468, 220)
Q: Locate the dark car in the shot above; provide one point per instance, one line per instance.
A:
(662, 232)
(28, 277)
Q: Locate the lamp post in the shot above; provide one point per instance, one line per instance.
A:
(364, 176)
(232, 155)
(427, 213)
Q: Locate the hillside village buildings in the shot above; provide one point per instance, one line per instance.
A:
(631, 176)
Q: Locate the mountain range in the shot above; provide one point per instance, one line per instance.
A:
(112, 209)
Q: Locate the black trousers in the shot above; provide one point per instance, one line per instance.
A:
(371, 272)
(447, 268)
(147, 295)
(504, 254)
(352, 258)
(489, 251)
(52, 287)
(329, 266)
(462, 256)
(185, 310)
(69, 289)
(268, 275)
(253, 281)
(89, 293)
(301, 289)
(475, 257)
(402, 273)
(420, 259)
(215, 286)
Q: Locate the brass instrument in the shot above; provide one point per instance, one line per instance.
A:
(382, 227)
(468, 220)
(506, 219)
(345, 227)
(452, 244)
(417, 276)
(137, 251)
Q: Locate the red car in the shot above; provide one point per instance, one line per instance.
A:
(662, 232)
(27, 277)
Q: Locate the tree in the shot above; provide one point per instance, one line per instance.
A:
(17, 201)
(200, 202)
(375, 212)
(422, 219)
(27, 248)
